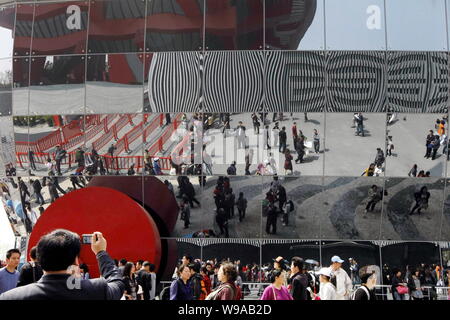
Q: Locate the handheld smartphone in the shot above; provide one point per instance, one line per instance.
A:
(86, 238)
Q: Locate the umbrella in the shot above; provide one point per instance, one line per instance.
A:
(18, 209)
(9, 203)
(311, 261)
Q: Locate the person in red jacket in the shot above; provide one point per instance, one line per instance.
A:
(206, 279)
(294, 132)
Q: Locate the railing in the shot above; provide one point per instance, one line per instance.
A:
(115, 162)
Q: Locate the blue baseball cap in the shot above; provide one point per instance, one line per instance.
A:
(337, 259)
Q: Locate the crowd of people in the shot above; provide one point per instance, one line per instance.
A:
(55, 271)
(300, 279)
(55, 259)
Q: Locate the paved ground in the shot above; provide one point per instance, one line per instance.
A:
(344, 153)
(250, 227)
(224, 150)
(408, 135)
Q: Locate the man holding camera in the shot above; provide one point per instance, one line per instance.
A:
(56, 252)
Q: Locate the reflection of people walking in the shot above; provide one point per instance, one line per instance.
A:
(421, 198)
(241, 205)
(413, 171)
(288, 162)
(428, 144)
(222, 221)
(276, 132)
(288, 207)
(374, 196)
(271, 222)
(240, 133)
(316, 139)
(359, 119)
(185, 214)
(390, 146)
(31, 158)
(248, 161)
(283, 138)
(294, 132)
(37, 187)
(370, 171)
(59, 156)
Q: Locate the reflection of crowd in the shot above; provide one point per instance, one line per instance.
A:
(272, 137)
(26, 207)
(277, 195)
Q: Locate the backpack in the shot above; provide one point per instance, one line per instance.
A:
(291, 206)
(353, 295)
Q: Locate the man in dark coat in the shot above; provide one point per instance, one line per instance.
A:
(283, 140)
(56, 252)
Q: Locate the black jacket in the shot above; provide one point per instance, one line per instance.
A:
(37, 187)
(361, 294)
(283, 136)
(29, 273)
(196, 285)
(145, 281)
(299, 283)
(55, 286)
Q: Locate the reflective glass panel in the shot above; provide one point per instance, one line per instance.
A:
(409, 20)
(296, 220)
(6, 75)
(353, 208)
(60, 28)
(235, 215)
(295, 81)
(419, 144)
(5, 104)
(413, 209)
(355, 144)
(233, 81)
(57, 85)
(114, 83)
(174, 25)
(356, 81)
(234, 25)
(172, 82)
(116, 26)
(46, 133)
(417, 81)
(7, 19)
(355, 25)
(21, 82)
(294, 24)
(23, 29)
(8, 152)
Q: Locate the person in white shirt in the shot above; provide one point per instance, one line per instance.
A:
(327, 290)
(343, 282)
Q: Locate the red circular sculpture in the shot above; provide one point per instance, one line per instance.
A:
(129, 230)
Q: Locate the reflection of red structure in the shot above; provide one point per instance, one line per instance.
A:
(130, 212)
(130, 231)
(227, 24)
